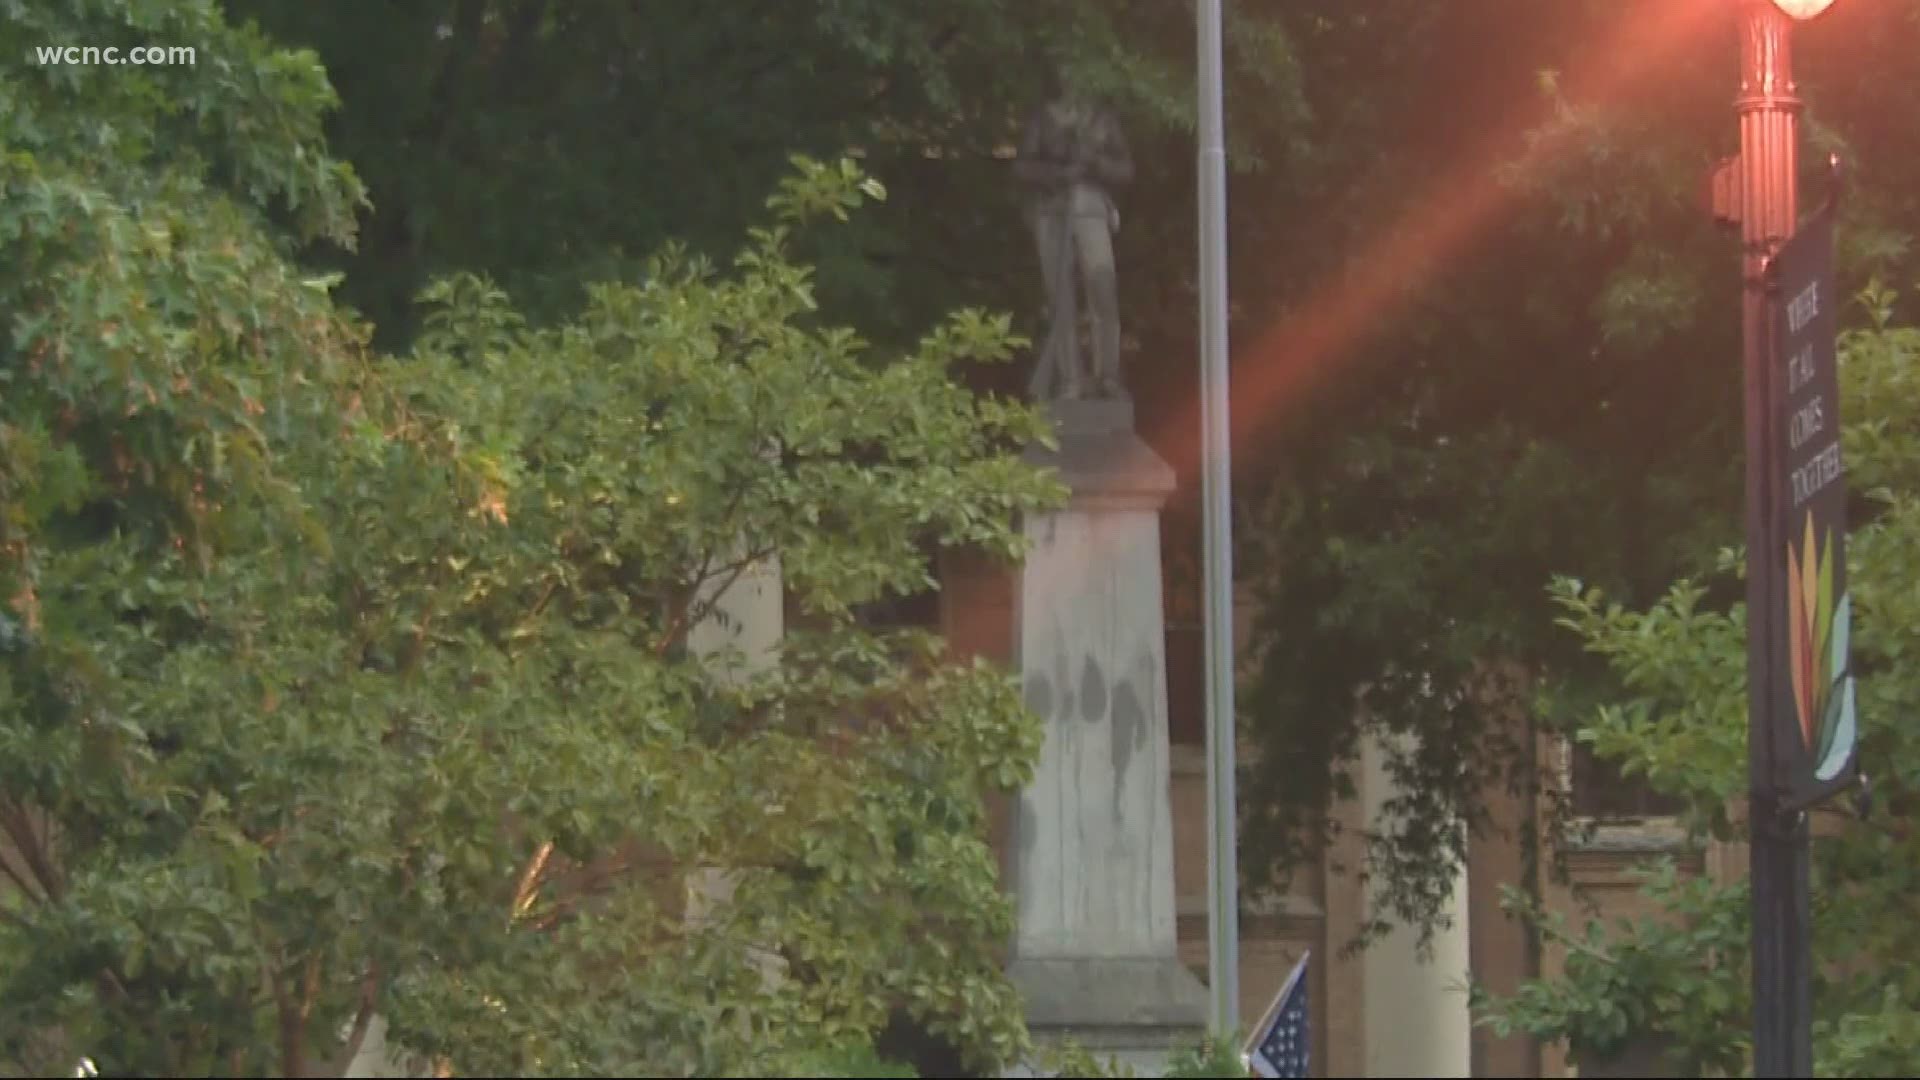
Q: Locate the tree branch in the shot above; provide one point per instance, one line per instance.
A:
(679, 622)
(417, 642)
(115, 987)
(362, 1019)
(1560, 937)
(310, 988)
(594, 879)
(282, 1004)
(16, 876)
(733, 571)
(540, 605)
(293, 1021)
(528, 886)
(14, 822)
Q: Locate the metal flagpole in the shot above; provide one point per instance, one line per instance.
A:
(1223, 893)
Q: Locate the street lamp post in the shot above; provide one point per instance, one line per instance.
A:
(1763, 183)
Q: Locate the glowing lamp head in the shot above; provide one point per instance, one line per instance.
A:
(1803, 9)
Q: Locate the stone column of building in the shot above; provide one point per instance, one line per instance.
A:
(1417, 1021)
(748, 617)
(743, 628)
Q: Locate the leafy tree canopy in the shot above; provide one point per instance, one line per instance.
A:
(332, 688)
(1542, 380)
(1465, 238)
(551, 144)
(1681, 725)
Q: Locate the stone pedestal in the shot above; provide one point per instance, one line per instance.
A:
(1096, 953)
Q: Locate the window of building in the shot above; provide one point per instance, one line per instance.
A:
(1601, 792)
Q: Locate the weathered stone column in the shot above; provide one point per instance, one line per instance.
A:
(1096, 953)
(747, 616)
(742, 630)
(1417, 1021)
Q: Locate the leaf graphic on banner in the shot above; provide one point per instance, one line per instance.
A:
(1829, 725)
(1799, 647)
(1838, 741)
(1839, 639)
(1823, 624)
(1837, 719)
(1816, 638)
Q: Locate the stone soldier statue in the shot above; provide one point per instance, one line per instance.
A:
(1072, 157)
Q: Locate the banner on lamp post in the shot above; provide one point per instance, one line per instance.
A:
(1815, 724)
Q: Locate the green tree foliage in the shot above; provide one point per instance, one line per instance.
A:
(551, 144)
(1544, 380)
(1541, 378)
(1211, 1055)
(331, 687)
(1682, 726)
(544, 143)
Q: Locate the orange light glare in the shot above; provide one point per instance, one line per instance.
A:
(1803, 9)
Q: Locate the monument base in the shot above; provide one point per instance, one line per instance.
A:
(1137, 1011)
(1147, 994)
(1100, 458)
(1096, 955)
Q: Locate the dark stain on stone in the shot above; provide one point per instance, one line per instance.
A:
(1093, 692)
(1025, 826)
(1039, 695)
(1062, 675)
(1129, 726)
(1150, 672)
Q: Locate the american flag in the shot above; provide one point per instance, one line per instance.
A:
(1280, 1044)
